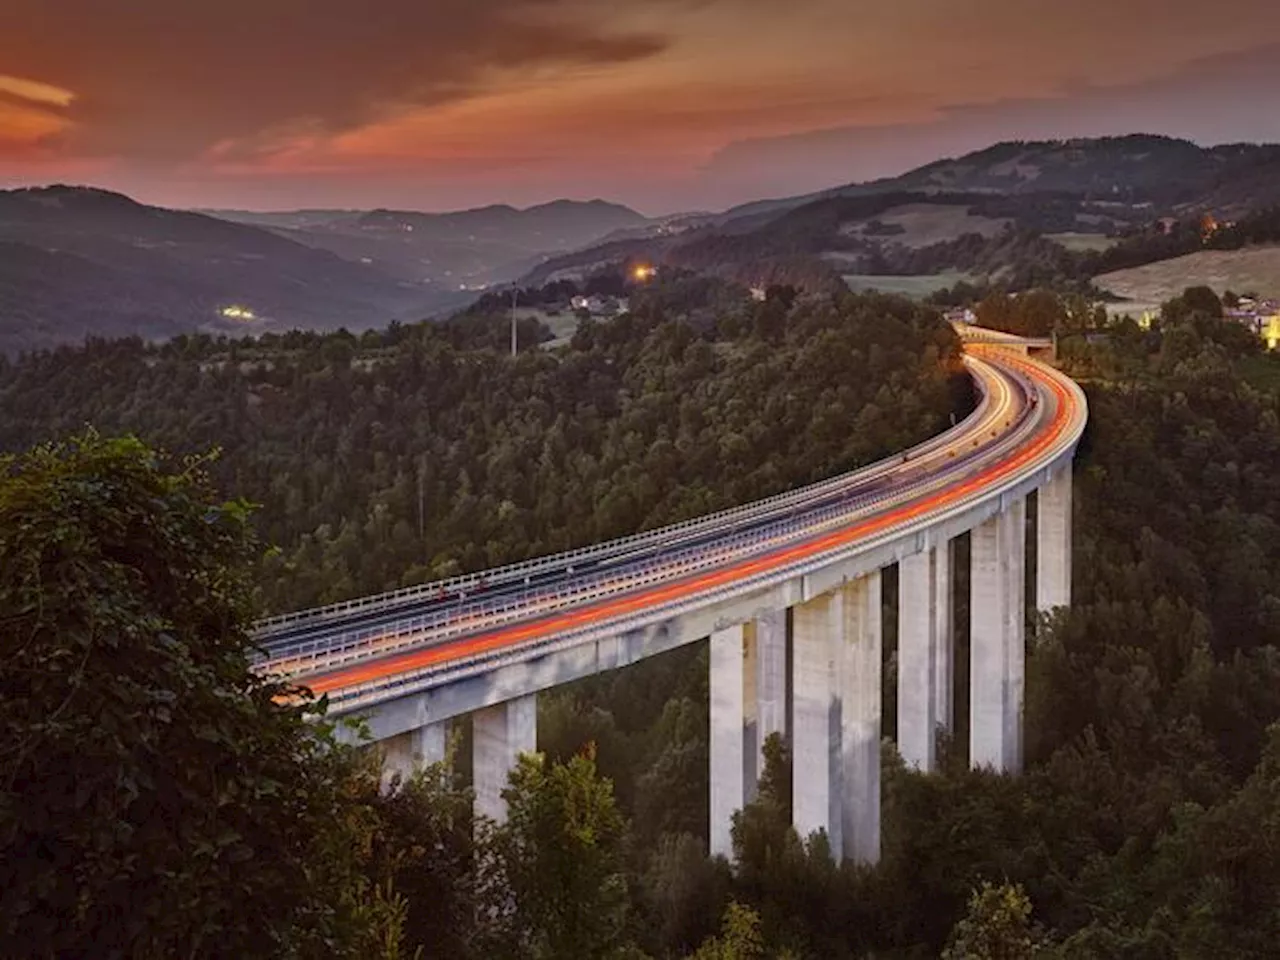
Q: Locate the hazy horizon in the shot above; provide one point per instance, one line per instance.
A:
(584, 199)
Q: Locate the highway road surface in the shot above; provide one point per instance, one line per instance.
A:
(379, 647)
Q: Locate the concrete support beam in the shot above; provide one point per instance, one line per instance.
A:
(861, 712)
(836, 707)
(917, 660)
(728, 792)
(406, 754)
(765, 691)
(815, 721)
(501, 733)
(1015, 635)
(997, 640)
(1053, 542)
(944, 635)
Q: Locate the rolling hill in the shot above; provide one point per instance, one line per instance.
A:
(1022, 213)
(474, 248)
(79, 261)
(1139, 169)
(1252, 269)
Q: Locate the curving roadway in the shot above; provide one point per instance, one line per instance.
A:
(380, 648)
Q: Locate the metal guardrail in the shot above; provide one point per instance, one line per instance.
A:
(364, 694)
(265, 629)
(311, 656)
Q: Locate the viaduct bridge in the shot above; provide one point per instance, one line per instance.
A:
(788, 591)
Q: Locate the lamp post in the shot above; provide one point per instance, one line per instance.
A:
(515, 292)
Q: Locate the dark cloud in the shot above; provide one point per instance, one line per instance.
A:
(166, 79)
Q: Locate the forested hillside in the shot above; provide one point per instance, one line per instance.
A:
(1144, 826)
(422, 451)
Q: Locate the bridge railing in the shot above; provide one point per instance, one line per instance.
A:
(318, 655)
(465, 583)
(371, 689)
(368, 692)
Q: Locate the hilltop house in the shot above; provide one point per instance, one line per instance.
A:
(1260, 316)
(598, 306)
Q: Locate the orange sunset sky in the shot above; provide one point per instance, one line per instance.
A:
(665, 104)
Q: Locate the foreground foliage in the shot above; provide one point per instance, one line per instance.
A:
(154, 800)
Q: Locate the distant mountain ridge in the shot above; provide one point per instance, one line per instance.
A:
(1138, 168)
(992, 212)
(82, 261)
(474, 247)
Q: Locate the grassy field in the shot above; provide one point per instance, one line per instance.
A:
(1082, 242)
(917, 287)
(1252, 270)
(562, 325)
(927, 223)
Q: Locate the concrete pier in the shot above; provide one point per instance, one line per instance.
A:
(836, 706)
(997, 640)
(944, 636)
(501, 733)
(917, 660)
(765, 691)
(406, 754)
(728, 792)
(1053, 542)
(861, 715)
(1015, 657)
(815, 720)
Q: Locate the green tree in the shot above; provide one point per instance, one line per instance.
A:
(997, 927)
(557, 886)
(156, 797)
(424, 850)
(740, 939)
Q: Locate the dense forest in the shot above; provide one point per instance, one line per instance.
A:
(1144, 826)
(423, 451)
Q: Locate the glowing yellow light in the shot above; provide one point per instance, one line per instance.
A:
(237, 313)
(643, 271)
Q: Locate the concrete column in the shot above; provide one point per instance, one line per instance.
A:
(917, 661)
(501, 733)
(765, 691)
(944, 636)
(997, 640)
(835, 728)
(1015, 659)
(727, 785)
(815, 722)
(1053, 542)
(406, 754)
(751, 738)
(861, 672)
